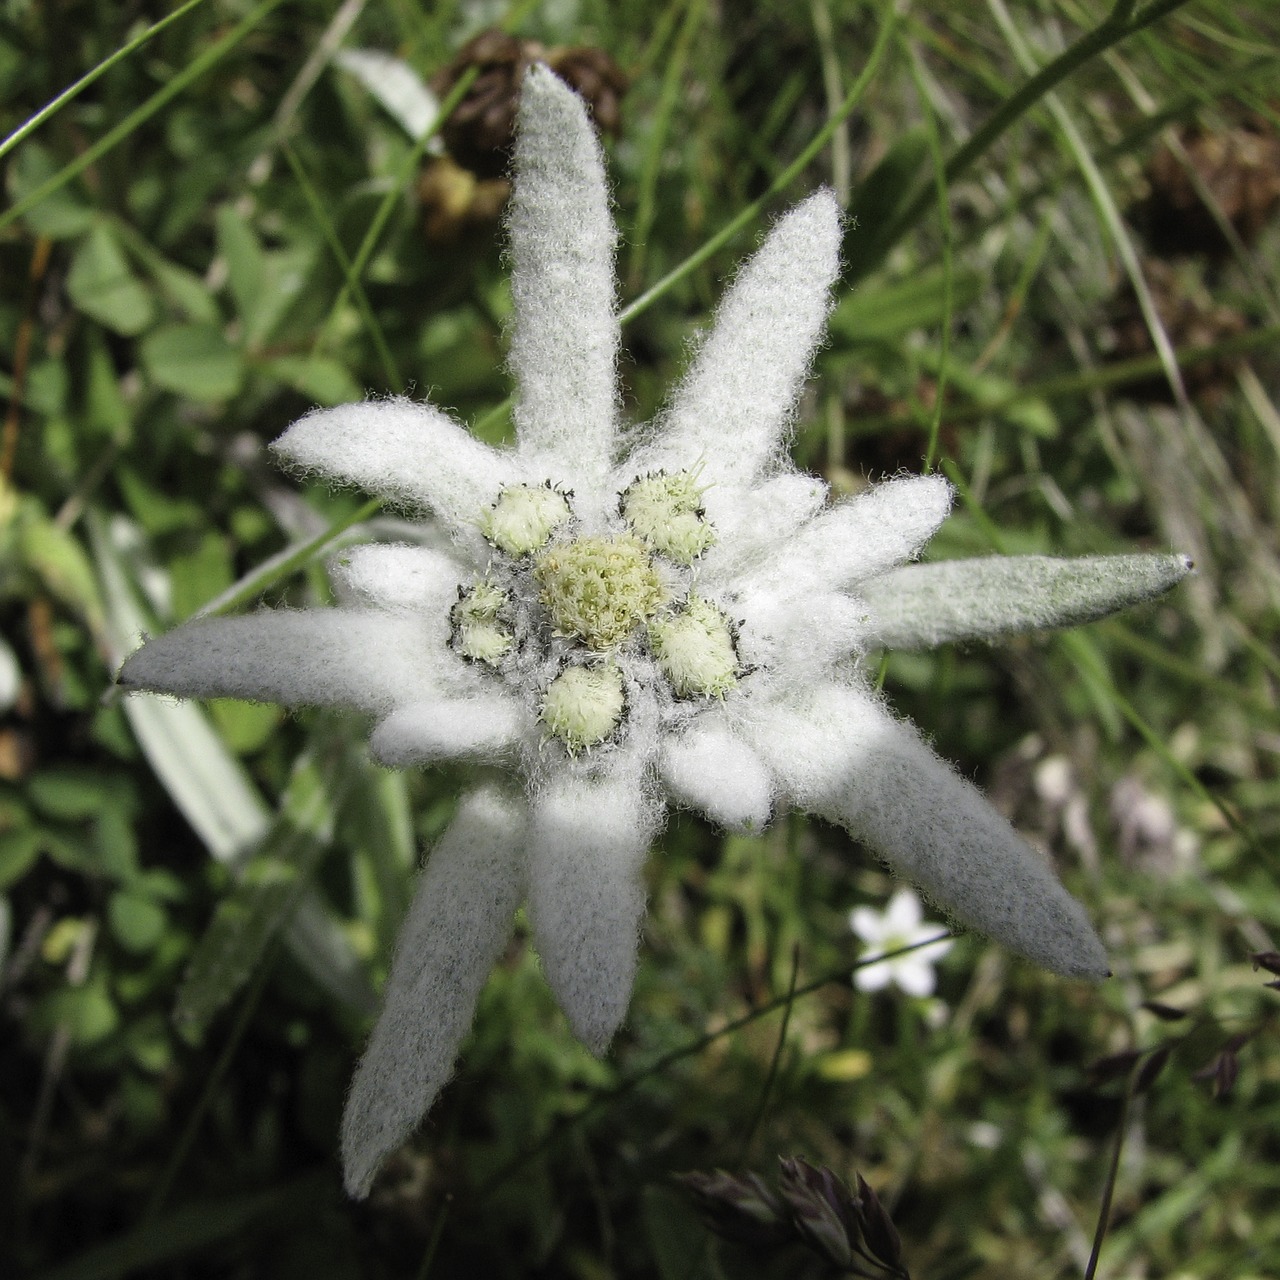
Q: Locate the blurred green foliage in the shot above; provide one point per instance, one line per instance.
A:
(197, 904)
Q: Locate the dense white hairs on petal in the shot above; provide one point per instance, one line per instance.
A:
(564, 343)
(751, 523)
(711, 769)
(482, 727)
(860, 537)
(458, 923)
(587, 843)
(366, 660)
(733, 409)
(403, 578)
(407, 452)
(841, 755)
(930, 604)
(796, 639)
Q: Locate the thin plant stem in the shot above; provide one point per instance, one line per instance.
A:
(948, 263)
(772, 1074)
(72, 91)
(390, 370)
(158, 100)
(690, 1049)
(182, 1148)
(1110, 31)
(1109, 1187)
(280, 566)
(433, 1244)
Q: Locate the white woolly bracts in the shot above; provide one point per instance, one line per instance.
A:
(680, 624)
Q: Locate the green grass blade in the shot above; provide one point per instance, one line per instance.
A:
(158, 100)
(51, 108)
(1088, 47)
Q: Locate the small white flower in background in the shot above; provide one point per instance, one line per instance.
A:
(900, 924)
(628, 618)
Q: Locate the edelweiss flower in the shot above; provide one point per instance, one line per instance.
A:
(900, 924)
(671, 614)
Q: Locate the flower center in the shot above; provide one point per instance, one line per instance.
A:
(599, 589)
(523, 517)
(583, 705)
(479, 632)
(694, 647)
(665, 509)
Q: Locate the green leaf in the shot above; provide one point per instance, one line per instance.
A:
(195, 360)
(136, 921)
(102, 284)
(181, 288)
(68, 794)
(923, 605)
(157, 512)
(150, 1044)
(245, 727)
(674, 1231)
(246, 263)
(885, 312)
(61, 215)
(88, 1013)
(18, 853)
(105, 407)
(321, 379)
(245, 923)
(200, 574)
(59, 561)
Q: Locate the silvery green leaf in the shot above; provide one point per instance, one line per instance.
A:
(396, 85)
(922, 605)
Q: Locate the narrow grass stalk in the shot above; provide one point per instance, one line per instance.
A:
(750, 212)
(135, 119)
(355, 286)
(948, 259)
(51, 108)
(1059, 387)
(772, 1074)
(1119, 25)
(182, 1148)
(1109, 1187)
(646, 204)
(289, 561)
(1105, 204)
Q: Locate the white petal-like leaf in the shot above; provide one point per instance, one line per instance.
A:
(732, 412)
(711, 769)
(843, 756)
(458, 923)
(389, 575)
(587, 844)
(404, 451)
(301, 658)
(564, 345)
(919, 606)
(479, 727)
(860, 537)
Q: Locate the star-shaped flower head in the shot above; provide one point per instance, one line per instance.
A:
(629, 619)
